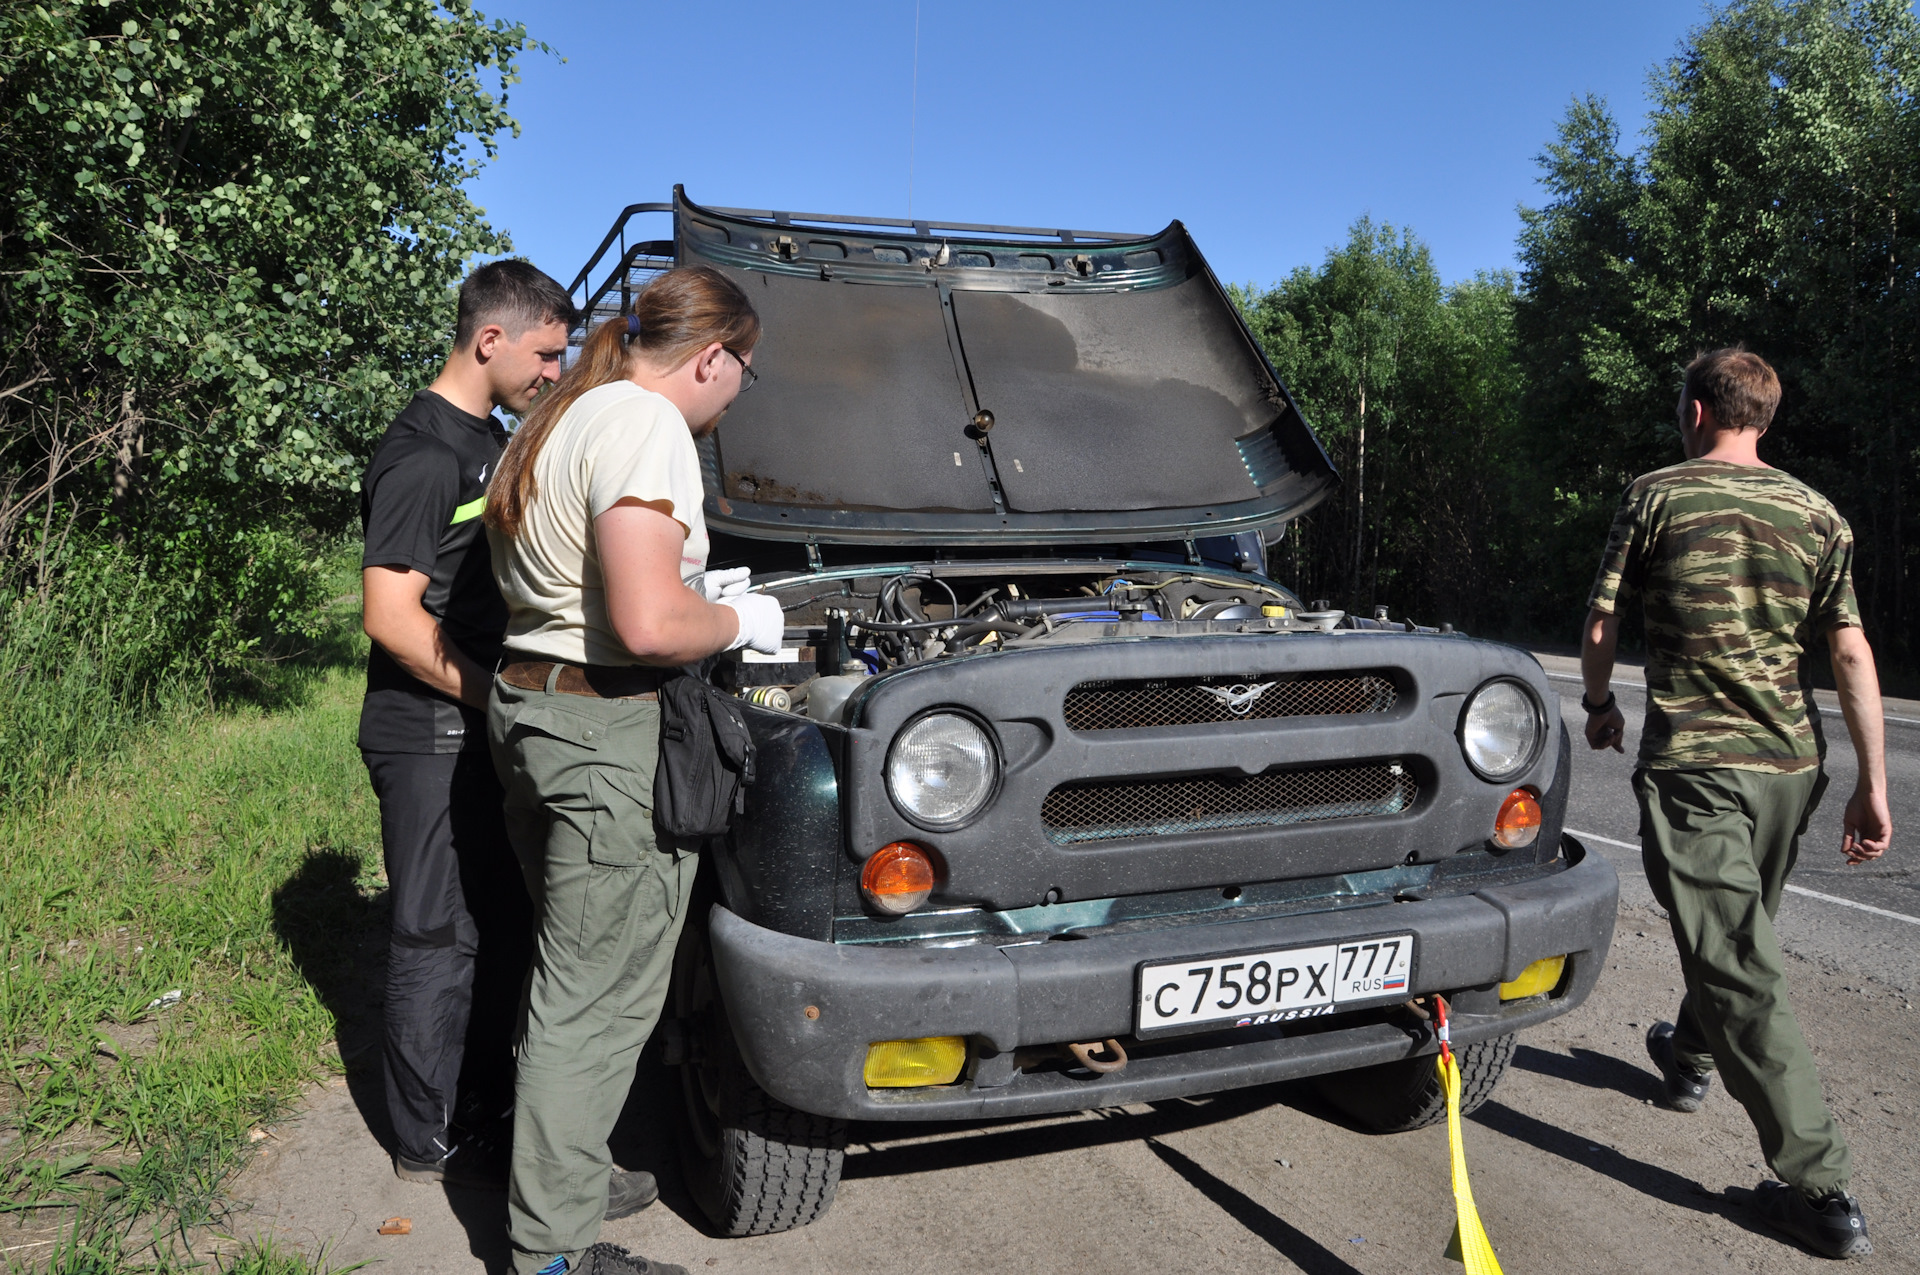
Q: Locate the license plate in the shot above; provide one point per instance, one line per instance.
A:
(1276, 986)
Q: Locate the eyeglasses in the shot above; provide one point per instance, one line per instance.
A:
(747, 375)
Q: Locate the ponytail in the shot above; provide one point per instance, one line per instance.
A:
(678, 314)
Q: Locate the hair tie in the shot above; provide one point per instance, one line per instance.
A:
(633, 326)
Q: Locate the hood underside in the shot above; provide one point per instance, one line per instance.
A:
(948, 390)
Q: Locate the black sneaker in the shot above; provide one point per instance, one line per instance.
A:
(630, 1191)
(611, 1259)
(476, 1161)
(1831, 1226)
(1684, 1089)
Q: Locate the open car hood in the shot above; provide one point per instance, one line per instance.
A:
(1120, 394)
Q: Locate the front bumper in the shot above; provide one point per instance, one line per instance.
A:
(803, 1012)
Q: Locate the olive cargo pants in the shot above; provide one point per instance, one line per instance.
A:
(609, 903)
(1718, 845)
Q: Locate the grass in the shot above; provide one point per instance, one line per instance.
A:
(230, 855)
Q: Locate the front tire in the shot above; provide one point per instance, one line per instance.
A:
(1404, 1095)
(753, 1164)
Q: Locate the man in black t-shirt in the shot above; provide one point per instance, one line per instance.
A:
(462, 923)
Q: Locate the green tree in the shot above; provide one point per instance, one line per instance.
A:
(228, 236)
(1411, 387)
(227, 240)
(1773, 204)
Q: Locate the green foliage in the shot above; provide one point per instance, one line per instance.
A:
(1772, 205)
(128, 638)
(1484, 431)
(228, 239)
(1412, 388)
(229, 231)
(236, 862)
(227, 244)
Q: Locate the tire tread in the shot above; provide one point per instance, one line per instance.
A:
(1399, 1097)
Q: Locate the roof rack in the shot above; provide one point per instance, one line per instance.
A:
(645, 258)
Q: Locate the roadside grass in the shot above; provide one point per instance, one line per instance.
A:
(170, 928)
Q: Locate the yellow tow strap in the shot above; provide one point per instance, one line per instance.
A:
(1469, 1245)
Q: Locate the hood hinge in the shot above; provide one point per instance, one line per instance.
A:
(813, 556)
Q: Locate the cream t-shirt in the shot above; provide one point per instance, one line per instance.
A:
(617, 441)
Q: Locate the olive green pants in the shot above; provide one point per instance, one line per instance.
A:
(609, 903)
(1718, 845)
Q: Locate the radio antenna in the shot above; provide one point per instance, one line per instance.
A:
(913, 108)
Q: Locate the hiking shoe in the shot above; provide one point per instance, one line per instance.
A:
(1831, 1226)
(1683, 1088)
(476, 1161)
(629, 1192)
(611, 1259)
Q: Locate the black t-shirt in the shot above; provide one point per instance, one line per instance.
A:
(420, 506)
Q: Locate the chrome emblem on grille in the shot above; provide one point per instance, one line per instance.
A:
(1238, 700)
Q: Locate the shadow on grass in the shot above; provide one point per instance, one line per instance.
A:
(338, 940)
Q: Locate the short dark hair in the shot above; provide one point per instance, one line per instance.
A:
(1738, 386)
(513, 294)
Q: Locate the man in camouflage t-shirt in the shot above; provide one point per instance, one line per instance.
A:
(1736, 566)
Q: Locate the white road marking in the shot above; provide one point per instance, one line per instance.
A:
(1638, 686)
(1575, 677)
(1791, 888)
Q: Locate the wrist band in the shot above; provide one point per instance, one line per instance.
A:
(1597, 708)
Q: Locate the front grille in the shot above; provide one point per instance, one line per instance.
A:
(1115, 810)
(1192, 701)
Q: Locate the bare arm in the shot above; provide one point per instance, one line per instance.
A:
(654, 615)
(1867, 827)
(1599, 639)
(393, 616)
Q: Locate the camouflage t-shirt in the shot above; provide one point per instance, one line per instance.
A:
(1735, 567)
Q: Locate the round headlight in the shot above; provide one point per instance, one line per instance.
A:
(1500, 730)
(941, 770)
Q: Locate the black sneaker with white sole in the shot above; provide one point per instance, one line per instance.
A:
(629, 1191)
(1831, 1226)
(1682, 1088)
(611, 1259)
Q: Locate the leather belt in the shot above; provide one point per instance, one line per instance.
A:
(596, 681)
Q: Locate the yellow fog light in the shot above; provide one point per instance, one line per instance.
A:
(1535, 980)
(903, 1064)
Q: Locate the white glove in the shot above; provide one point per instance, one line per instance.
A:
(715, 585)
(762, 623)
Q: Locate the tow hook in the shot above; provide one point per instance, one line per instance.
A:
(1116, 1060)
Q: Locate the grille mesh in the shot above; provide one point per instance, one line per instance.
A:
(1192, 701)
(1156, 808)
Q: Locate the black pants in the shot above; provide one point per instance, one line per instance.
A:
(461, 943)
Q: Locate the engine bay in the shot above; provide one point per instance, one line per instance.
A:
(848, 625)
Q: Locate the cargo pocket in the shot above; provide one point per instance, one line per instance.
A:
(622, 835)
(550, 719)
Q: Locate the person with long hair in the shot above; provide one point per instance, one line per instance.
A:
(600, 550)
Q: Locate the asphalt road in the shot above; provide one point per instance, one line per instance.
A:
(1845, 934)
(1573, 1166)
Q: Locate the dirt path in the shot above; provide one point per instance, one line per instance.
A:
(1574, 1168)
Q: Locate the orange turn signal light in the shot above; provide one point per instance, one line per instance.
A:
(1518, 823)
(898, 877)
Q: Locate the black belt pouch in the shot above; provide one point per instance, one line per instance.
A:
(706, 759)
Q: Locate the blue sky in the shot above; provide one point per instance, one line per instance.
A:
(1266, 127)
